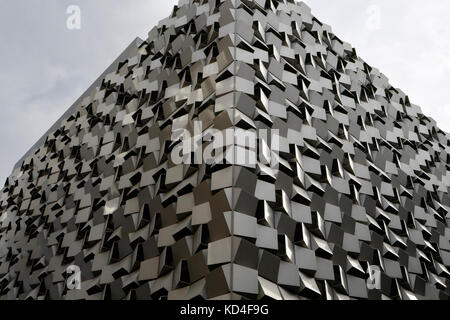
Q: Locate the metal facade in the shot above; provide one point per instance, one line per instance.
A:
(358, 207)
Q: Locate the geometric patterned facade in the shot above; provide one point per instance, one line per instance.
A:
(363, 177)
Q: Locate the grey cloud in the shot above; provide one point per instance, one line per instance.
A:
(411, 47)
(46, 67)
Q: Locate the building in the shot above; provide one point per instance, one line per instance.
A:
(342, 194)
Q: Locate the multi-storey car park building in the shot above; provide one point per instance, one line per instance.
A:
(357, 206)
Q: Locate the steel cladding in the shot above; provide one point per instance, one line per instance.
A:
(357, 207)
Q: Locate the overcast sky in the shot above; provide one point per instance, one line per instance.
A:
(45, 66)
